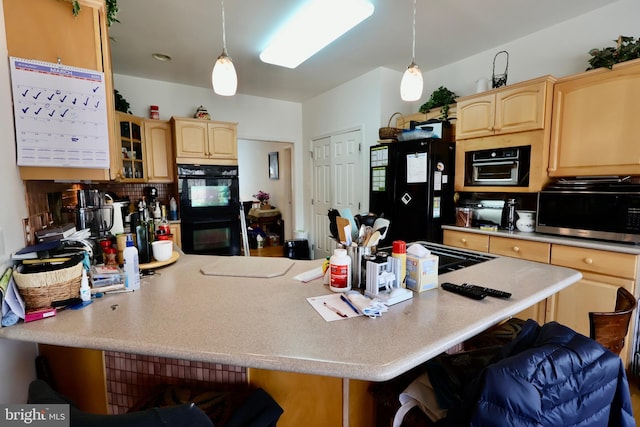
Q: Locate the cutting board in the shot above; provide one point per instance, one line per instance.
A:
(243, 266)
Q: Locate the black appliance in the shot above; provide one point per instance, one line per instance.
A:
(606, 209)
(451, 258)
(411, 184)
(498, 167)
(210, 209)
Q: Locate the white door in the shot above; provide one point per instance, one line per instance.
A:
(337, 183)
(323, 245)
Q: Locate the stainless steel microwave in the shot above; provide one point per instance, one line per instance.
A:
(498, 167)
(601, 211)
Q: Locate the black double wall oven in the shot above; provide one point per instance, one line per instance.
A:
(210, 208)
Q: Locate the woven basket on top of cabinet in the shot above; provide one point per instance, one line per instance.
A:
(389, 132)
(41, 289)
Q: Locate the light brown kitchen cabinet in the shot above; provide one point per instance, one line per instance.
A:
(176, 233)
(513, 116)
(205, 141)
(603, 272)
(460, 239)
(158, 143)
(515, 108)
(523, 249)
(131, 147)
(594, 127)
(46, 30)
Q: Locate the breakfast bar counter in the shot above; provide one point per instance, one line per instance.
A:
(267, 323)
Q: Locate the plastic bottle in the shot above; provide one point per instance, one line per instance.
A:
(173, 209)
(399, 251)
(85, 290)
(340, 266)
(131, 265)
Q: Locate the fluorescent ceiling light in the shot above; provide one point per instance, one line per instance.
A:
(314, 26)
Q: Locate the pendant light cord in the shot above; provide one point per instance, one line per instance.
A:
(224, 32)
(413, 47)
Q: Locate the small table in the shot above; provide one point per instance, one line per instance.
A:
(270, 221)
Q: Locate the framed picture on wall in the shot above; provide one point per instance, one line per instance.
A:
(273, 165)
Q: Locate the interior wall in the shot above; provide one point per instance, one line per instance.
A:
(17, 368)
(560, 50)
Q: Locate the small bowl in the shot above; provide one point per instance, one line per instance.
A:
(162, 249)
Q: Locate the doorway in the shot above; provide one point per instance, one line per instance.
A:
(337, 183)
(254, 166)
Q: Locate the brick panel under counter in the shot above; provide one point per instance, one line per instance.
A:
(130, 377)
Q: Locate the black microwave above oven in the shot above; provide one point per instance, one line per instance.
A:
(601, 211)
(507, 166)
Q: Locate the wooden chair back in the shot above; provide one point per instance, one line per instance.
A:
(610, 328)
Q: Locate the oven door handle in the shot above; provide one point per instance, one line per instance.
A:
(209, 221)
(495, 163)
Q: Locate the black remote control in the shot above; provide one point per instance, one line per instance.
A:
(464, 290)
(490, 291)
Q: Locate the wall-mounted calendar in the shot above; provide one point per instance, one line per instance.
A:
(60, 115)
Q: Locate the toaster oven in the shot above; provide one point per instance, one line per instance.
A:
(498, 167)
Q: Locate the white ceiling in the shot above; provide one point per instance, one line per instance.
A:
(190, 32)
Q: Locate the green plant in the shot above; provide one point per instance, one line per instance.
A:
(626, 48)
(112, 10)
(441, 97)
(121, 104)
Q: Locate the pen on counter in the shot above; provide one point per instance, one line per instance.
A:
(350, 304)
(335, 310)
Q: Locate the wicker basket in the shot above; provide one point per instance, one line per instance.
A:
(39, 290)
(390, 132)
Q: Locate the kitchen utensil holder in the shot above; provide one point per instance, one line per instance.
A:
(500, 79)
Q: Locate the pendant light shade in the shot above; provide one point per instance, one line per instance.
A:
(223, 77)
(411, 84)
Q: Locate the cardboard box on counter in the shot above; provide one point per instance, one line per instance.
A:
(422, 273)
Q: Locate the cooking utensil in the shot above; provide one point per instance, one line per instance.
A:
(382, 226)
(374, 239)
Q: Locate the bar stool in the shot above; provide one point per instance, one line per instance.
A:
(610, 328)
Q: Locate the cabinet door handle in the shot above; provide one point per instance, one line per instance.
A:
(516, 249)
(588, 261)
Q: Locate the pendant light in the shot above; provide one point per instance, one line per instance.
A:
(223, 76)
(411, 84)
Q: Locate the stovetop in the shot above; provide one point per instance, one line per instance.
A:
(450, 258)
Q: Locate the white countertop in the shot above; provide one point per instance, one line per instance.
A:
(628, 248)
(267, 323)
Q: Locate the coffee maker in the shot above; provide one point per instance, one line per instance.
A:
(93, 213)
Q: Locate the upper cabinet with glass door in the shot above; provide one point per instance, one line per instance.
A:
(131, 148)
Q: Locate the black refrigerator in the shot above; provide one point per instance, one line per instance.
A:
(411, 184)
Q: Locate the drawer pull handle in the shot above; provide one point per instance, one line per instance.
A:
(516, 249)
(463, 240)
(588, 261)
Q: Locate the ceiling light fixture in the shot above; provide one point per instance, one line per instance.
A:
(312, 27)
(161, 57)
(411, 84)
(223, 76)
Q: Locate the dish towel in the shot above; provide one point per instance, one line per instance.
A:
(369, 307)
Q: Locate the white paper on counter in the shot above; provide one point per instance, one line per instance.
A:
(334, 301)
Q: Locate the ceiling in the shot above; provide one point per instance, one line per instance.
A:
(190, 32)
